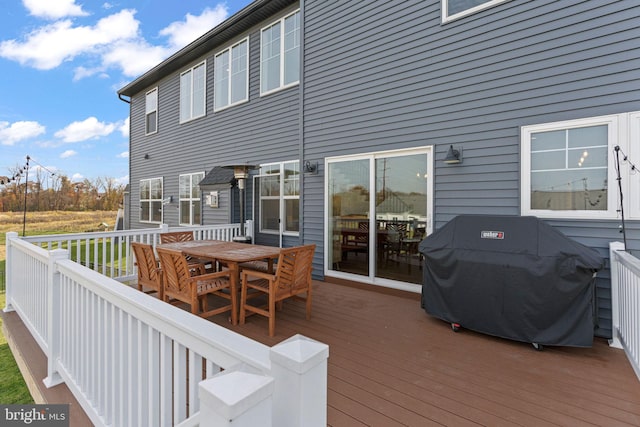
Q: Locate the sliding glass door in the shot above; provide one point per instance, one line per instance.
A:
(378, 210)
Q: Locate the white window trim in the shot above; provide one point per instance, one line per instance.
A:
(189, 199)
(242, 101)
(633, 177)
(620, 130)
(281, 197)
(282, 85)
(444, 7)
(146, 113)
(150, 200)
(204, 100)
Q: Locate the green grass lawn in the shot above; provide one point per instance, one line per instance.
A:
(13, 389)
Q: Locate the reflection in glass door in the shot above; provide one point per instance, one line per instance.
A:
(401, 216)
(376, 233)
(348, 210)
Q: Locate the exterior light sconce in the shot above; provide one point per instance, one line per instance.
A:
(310, 168)
(454, 156)
(146, 157)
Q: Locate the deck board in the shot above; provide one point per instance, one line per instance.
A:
(392, 364)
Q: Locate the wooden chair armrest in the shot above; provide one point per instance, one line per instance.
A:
(256, 274)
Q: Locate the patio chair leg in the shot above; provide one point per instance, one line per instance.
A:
(272, 316)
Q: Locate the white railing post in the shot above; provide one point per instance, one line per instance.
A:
(615, 286)
(8, 271)
(53, 317)
(299, 368)
(236, 398)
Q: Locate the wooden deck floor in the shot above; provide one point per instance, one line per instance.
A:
(391, 364)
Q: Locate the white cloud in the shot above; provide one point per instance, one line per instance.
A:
(123, 155)
(10, 133)
(53, 9)
(68, 153)
(124, 129)
(134, 57)
(47, 47)
(124, 180)
(90, 128)
(181, 33)
(77, 177)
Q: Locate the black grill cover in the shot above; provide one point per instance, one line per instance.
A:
(513, 277)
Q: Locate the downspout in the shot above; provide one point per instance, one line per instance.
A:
(122, 99)
(301, 122)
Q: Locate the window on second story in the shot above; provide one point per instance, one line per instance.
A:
(280, 54)
(231, 76)
(454, 9)
(151, 200)
(190, 198)
(193, 93)
(151, 111)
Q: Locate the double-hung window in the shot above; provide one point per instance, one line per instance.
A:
(280, 54)
(151, 111)
(454, 9)
(190, 199)
(569, 169)
(280, 197)
(193, 92)
(231, 76)
(151, 200)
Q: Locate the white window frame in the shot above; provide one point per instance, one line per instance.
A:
(151, 107)
(187, 116)
(281, 197)
(282, 55)
(199, 176)
(620, 133)
(150, 200)
(445, 9)
(228, 74)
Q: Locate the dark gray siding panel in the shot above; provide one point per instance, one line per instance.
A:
(264, 129)
(382, 75)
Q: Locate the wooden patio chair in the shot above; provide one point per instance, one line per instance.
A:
(149, 272)
(291, 279)
(190, 284)
(186, 236)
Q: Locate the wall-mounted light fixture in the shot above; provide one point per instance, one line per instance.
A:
(146, 157)
(453, 156)
(167, 200)
(310, 167)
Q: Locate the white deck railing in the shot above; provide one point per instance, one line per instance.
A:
(109, 253)
(133, 360)
(625, 302)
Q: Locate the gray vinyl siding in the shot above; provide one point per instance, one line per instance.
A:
(389, 75)
(264, 129)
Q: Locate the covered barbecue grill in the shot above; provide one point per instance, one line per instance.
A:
(513, 277)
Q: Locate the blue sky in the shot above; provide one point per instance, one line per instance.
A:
(61, 64)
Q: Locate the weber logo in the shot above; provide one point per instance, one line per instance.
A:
(498, 235)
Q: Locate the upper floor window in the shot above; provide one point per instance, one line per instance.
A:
(454, 9)
(280, 54)
(190, 199)
(192, 93)
(231, 77)
(151, 111)
(280, 197)
(151, 200)
(569, 168)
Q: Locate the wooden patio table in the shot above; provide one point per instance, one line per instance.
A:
(231, 253)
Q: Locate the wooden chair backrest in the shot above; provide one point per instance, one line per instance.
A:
(147, 265)
(176, 236)
(175, 269)
(294, 270)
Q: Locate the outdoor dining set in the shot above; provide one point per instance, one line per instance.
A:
(189, 271)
